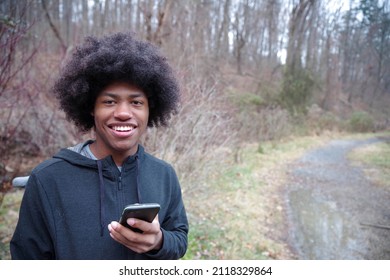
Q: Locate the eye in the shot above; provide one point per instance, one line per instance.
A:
(108, 102)
(137, 102)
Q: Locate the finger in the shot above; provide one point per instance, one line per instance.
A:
(122, 234)
(128, 238)
(145, 227)
(137, 242)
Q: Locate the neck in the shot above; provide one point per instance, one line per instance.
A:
(118, 157)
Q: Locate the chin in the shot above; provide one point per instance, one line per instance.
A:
(127, 148)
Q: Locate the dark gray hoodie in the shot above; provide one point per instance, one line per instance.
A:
(70, 200)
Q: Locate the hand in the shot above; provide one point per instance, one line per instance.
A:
(150, 239)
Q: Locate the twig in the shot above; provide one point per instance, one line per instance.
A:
(376, 226)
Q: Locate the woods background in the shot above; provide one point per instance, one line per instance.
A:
(250, 71)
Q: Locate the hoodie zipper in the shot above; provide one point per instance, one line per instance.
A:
(120, 182)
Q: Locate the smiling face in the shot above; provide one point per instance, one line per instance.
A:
(121, 115)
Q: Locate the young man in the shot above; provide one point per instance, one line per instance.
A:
(117, 86)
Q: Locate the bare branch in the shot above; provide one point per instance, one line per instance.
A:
(53, 27)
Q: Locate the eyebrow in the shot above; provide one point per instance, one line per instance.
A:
(114, 95)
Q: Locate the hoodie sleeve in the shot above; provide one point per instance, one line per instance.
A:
(32, 238)
(174, 228)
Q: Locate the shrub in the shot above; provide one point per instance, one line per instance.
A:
(297, 90)
(360, 122)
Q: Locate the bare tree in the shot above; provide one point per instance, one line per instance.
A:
(53, 27)
(222, 40)
(297, 81)
(13, 31)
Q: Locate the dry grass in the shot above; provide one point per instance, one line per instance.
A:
(9, 213)
(375, 161)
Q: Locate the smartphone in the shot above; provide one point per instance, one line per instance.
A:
(145, 211)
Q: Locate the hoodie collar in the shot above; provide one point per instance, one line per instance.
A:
(74, 156)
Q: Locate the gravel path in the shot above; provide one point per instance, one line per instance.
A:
(333, 211)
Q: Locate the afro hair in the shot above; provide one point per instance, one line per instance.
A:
(119, 57)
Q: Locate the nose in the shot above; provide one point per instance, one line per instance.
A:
(123, 111)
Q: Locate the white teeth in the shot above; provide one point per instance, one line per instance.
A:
(123, 128)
